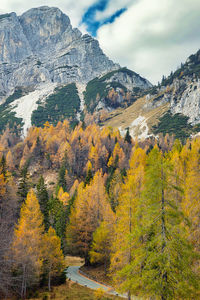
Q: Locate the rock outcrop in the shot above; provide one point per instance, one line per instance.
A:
(188, 103)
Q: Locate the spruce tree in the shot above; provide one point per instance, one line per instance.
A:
(3, 166)
(61, 178)
(127, 137)
(23, 186)
(89, 175)
(57, 217)
(43, 198)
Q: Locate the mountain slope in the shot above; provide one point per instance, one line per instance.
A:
(40, 54)
(118, 88)
(171, 107)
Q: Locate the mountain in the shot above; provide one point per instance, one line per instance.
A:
(50, 71)
(173, 106)
(46, 65)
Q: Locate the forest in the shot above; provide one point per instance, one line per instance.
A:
(131, 206)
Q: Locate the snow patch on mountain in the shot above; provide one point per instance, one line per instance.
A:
(139, 128)
(81, 88)
(24, 106)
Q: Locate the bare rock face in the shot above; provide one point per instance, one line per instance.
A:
(14, 46)
(188, 103)
(47, 30)
(41, 46)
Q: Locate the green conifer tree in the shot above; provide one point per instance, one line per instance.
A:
(43, 199)
(127, 137)
(61, 178)
(57, 217)
(3, 166)
(24, 185)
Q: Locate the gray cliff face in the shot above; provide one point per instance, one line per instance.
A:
(14, 46)
(188, 103)
(183, 96)
(41, 46)
(47, 30)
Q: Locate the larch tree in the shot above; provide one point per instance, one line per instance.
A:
(53, 256)
(114, 188)
(126, 220)
(9, 160)
(178, 177)
(27, 242)
(94, 157)
(64, 197)
(117, 158)
(101, 247)
(90, 208)
(191, 201)
(162, 258)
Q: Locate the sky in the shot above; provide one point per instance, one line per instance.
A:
(151, 37)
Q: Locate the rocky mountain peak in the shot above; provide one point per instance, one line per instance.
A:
(47, 29)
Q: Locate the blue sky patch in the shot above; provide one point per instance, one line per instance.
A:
(93, 25)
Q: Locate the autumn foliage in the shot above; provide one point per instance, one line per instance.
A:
(132, 206)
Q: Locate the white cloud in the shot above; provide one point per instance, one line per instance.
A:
(73, 8)
(153, 37)
(112, 7)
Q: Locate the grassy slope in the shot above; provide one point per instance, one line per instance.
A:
(124, 118)
(71, 291)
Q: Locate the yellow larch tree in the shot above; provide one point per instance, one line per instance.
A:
(117, 158)
(103, 238)
(27, 242)
(90, 209)
(94, 157)
(63, 196)
(25, 156)
(115, 188)
(54, 259)
(178, 178)
(9, 161)
(126, 216)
